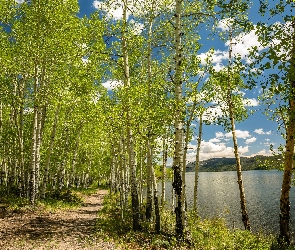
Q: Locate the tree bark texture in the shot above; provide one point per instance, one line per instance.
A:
(131, 153)
(178, 125)
(198, 162)
(245, 217)
(149, 191)
(284, 236)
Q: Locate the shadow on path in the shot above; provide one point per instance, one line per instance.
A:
(78, 223)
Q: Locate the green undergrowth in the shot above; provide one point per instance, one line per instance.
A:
(64, 199)
(203, 234)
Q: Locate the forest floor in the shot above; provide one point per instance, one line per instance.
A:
(63, 229)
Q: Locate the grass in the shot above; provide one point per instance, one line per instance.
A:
(66, 199)
(201, 234)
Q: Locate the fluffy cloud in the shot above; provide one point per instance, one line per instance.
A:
(243, 134)
(251, 140)
(216, 57)
(114, 9)
(219, 134)
(20, 1)
(212, 113)
(268, 143)
(250, 102)
(262, 152)
(261, 132)
(209, 149)
(225, 24)
(214, 140)
(243, 43)
(137, 28)
(112, 84)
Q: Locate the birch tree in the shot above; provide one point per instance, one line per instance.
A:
(277, 40)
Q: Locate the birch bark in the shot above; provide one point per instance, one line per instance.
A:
(130, 143)
(178, 125)
(289, 153)
(245, 217)
(198, 162)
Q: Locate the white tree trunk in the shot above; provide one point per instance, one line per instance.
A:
(198, 162)
(178, 124)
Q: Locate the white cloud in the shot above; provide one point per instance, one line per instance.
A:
(225, 24)
(214, 140)
(137, 27)
(114, 9)
(218, 67)
(250, 102)
(209, 149)
(212, 113)
(112, 84)
(239, 134)
(243, 43)
(251, 140)
(216, 57)
(262, 152)
(285, 34)
(268, 143)
(243, 150)
(219, 134)
(20, 1)
(261, 132)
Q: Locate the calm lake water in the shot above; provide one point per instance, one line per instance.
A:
(218, 196)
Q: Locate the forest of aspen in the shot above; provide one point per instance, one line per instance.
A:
(106, 102)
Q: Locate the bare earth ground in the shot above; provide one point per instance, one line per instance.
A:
(66, 230)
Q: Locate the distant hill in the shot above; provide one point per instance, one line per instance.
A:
(258, 162)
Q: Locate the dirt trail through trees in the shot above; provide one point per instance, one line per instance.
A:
(66, 230)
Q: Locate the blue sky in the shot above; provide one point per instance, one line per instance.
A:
(254, 134)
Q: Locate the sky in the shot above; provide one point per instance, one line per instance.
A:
(257, 133)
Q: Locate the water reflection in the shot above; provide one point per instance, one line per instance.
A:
(218, 196)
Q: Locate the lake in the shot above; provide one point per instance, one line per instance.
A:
(218, 196)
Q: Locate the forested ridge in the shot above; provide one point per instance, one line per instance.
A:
(258, 162)
(109, 98)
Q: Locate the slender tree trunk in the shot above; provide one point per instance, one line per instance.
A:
(32, 187)
(186, 141)
(156, 202)
(141, 177)
(74, 160)
(245, 217)
(130, 143)
(38, 147)
(21, 139)
(125, 173)
(149, 191)
(49, 150)
(284, 236)
(112, 170)
(165, 156)
(178, 124)
(149, 198)
(122, 180)
(198, 162)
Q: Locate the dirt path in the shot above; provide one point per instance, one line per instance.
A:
(66, 230)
